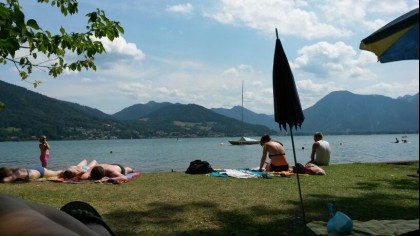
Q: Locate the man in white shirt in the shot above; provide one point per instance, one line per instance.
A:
(321, 151)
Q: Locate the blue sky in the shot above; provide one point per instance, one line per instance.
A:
(200, 51)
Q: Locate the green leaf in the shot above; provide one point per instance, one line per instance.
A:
(120, 29)
(23, 75)
(18, 16)
(15, 32)
(33, 24)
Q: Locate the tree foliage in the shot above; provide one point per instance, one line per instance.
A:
(20, 34)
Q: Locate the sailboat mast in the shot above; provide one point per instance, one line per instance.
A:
(242, 110)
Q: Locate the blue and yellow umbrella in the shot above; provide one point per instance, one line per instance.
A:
(396, 41)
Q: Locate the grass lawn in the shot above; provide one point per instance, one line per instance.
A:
(180, 204)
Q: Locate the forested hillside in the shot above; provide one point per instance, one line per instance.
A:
(28, 115)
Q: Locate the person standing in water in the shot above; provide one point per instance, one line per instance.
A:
(44, 147)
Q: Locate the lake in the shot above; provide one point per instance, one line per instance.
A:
(164, 155)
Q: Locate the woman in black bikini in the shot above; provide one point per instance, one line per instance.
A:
(275, 152)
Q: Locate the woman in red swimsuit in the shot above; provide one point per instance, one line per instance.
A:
(44, 147)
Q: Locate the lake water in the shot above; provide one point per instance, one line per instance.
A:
(164, 155)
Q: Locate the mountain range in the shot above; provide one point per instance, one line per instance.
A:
(29, 114)
(343, 112)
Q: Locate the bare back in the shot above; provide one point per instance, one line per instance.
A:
(44, 148)
(276, 153)
(112, 171)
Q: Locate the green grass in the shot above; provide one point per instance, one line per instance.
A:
(182, 204)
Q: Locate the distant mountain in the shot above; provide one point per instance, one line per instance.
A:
(248, 116)
(343, 112)
(184, 118)
(139, 110)
(155, 114)
(28, 115)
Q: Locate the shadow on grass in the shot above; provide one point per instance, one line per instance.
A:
(167, 219)
(367, 203)
(364, 202)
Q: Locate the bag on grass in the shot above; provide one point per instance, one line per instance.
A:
(339, 223)
(313, 169)
(299, 168)
(199, 167)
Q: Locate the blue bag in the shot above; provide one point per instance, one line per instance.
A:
(339, 223)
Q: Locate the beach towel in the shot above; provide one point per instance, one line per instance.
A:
(284, 173)
(371, 227)
(246, 173)
(130, 177)
(218, 174)
(239, 174)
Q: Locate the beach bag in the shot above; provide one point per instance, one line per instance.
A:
(199, 167)
(339, 223)
(313, 169)
(299, 168)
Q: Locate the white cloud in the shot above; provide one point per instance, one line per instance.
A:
(181, 8)
(120, 46)
(238, 71)
(265, 16)
(392, 89)
(325, 61)
(322, 40)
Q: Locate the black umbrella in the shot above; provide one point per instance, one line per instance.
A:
(287, 108)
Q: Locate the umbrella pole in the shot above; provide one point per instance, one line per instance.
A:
(298, 181)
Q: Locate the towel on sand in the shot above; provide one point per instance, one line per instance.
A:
(371, 227)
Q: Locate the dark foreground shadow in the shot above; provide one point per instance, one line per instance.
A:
(167, 218)
(220, 221)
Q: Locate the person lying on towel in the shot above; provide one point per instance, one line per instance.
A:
(103, 172)
(79, 169)
(8, 175)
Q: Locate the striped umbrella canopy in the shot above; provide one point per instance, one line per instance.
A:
(396, 41)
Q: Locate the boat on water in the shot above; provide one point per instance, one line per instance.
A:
(244, 141)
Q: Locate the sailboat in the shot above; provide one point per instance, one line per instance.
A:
(243, 140)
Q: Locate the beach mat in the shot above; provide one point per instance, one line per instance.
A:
(246, 173)
(130, 177)
(371, 227)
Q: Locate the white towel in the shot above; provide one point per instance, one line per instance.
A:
(239, 174)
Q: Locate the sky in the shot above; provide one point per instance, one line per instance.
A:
(202, 51)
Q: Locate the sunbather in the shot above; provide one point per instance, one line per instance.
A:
(103, 172)
(8, 175)
(275, 151)
(79, 169)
